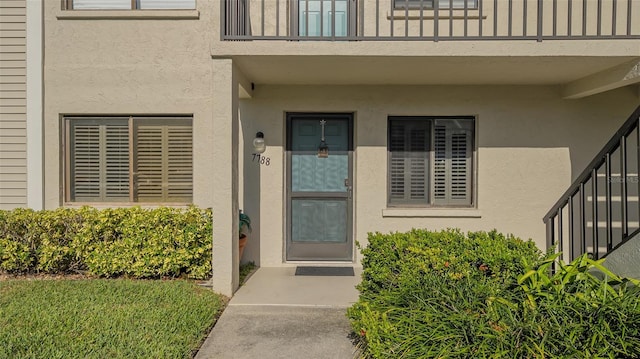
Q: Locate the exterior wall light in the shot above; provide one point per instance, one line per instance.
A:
(258, 143)
(323, 149)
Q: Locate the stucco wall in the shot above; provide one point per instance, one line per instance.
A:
(625, 260)
(158, 64)
(530, 145)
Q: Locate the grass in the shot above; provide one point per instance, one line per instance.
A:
(99, 318)
(245, 270)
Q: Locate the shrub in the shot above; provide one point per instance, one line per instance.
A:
(485, 295)
(121, 241)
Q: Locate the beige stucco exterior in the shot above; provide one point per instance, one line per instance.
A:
(530, 143)
(531, 138)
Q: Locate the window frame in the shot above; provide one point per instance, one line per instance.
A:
(429, 203)
(68, 148)
(135, 6)
(415, 5)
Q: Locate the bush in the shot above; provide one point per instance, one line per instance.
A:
(485, 295)
(121, 241)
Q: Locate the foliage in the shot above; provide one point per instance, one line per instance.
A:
(244, 224)
(245, 270)
(102, 318)
(116, 241)
(485, 295)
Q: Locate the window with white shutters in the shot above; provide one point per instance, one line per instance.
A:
(134, 159)
(409, 161)
(130, 5)
(430, 4)
(430, 161)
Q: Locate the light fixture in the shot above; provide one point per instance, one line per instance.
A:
(323, 149)
(258, 143)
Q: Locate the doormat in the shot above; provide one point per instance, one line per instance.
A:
(325, 271)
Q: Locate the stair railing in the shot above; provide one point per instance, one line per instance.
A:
(601, 209)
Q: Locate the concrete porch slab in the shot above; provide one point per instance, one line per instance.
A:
(279, 332)
(280, 286)
(277, 314)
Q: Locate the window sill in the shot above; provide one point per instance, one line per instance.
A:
(457, 14)
(432, 212)
(105, 205)
(128, 15)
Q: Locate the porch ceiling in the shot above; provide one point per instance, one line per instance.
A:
(403, 70)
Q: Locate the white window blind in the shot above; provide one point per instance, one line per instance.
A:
(442, 4)
(452, 162)
(409, 161)
(430, 161)
(164, 161)
(102, 4)
(108, 155)
(100, 161)
(166, 4)
(136, 4)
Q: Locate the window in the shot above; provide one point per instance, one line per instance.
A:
(430, 161)
(429, 4)
(128, 159)
(130, 4)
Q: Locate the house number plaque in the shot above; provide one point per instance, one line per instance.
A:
(261, 160)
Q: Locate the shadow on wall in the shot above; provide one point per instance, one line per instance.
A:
(251, 169)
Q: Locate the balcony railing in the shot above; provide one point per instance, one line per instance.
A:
(429, 20)
(601, 209)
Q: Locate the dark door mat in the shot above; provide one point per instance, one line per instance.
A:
(325, 271)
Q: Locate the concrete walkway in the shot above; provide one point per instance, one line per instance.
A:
(279, 315)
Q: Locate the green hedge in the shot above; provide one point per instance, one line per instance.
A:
(134, 241)
(486, 295)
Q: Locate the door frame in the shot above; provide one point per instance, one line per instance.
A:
(352, 19)
(349, 247)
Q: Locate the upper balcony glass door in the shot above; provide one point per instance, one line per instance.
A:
(324, 18)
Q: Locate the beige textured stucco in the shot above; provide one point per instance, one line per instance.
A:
(530, 140)
(129, 66)
(530, 143)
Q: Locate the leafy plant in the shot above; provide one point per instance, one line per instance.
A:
(133, 241)
(244, 224)
(485, 295)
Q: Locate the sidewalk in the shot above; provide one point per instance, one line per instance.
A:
(279, 315)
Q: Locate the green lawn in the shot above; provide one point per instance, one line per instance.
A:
(99, 318)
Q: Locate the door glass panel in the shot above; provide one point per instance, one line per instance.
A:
(320, 16)
(316, 220)
(310, 173)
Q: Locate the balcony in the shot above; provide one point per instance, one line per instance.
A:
(429, 20)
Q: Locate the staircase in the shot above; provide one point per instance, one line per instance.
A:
(600, 212)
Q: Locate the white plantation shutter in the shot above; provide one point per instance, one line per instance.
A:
(85, 162)
(443, 4)
(99, 161)
(167, 4)
(452, 170)
(180, 163)
(116, 162)
(101, 4)
(408, 161)
(164, 161)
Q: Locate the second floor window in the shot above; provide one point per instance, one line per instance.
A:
(431, 4)
(130, 4)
